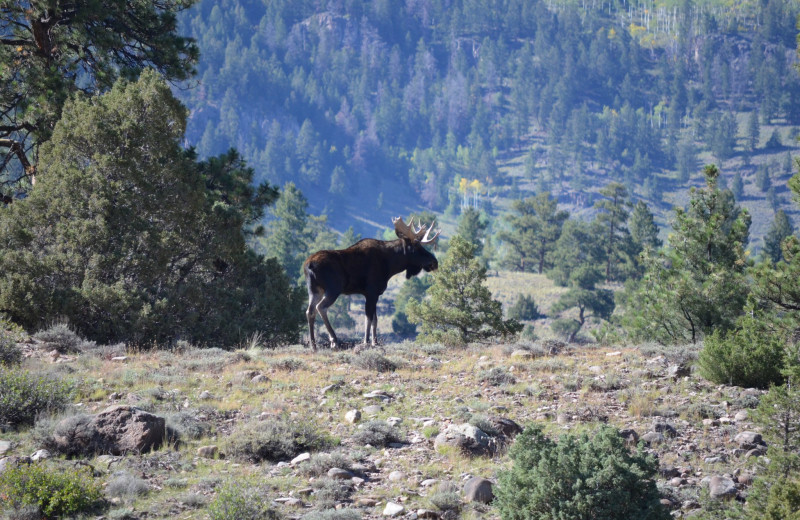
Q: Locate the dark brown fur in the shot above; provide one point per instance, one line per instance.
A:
(363, 268)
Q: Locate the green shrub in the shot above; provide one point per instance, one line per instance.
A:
(446, 497)
(496, 376)
(10, 353)
(334, 514)
(372, 360)
(238, 501)
(748, 356)
(125, 486)
(25, 395)
(63, 339)
(328, 492)
(54, 491)
(577, 478)
(401, 326)
(275, 440)
(524, 308)
(377, 433)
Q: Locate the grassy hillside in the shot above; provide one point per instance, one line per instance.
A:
(207, 395)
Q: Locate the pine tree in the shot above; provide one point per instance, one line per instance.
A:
(644, 230)
(698, 285)
(460, 308)
(472, 225)
(762, 180)
(534, 226)
(584, 295)
(612, 218)
(737, 186)
(753, 131)
(130, 239)
(288, 236)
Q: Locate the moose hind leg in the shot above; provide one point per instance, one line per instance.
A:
(322, 307)
(311, 315)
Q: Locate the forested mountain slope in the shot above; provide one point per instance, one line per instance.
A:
(372, 106)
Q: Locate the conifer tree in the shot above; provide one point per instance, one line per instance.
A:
(460, 308)
(698, 285)
(534, 227)
(644, 230)
(612, 220)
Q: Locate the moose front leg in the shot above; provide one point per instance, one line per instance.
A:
(371, 321)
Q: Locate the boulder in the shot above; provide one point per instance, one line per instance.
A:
(721, 487)
(470, 439)
(117, 430)
(749, 440)
(478, 489)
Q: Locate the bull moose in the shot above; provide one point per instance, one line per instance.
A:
(365, 268)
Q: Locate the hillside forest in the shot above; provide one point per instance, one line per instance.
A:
(614, 181)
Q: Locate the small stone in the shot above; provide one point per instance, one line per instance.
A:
(478, 489)
(378, 394)
(428, 482)
(678, 371)
(205, 395)
(562, 418)
(748, 440)
(613, 354)
(741, 415)
(755, 452)
(652, 438)
(290, 501)
(40, 455)
(339, 474)
(300, 458)
(427, 513)
(373, 409)
(665, 428)
(394, 421)
(207, 452)
(745, 479)
(630, 435)
(710, 422)
(393, 509)
(395, 476)
(666, 503)
(366, 502)
(357, 481)
(5, 446)
(304, 492)
(721, 487)
(332, 388)
(353, 416)
(677, 482)
(120, 359)
(714, 460)
(260, 379)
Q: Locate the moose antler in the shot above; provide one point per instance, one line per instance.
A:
(408, 231)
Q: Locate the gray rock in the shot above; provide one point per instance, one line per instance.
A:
(301, 458)
(429, 514)
(117, 430)
(260, 379)
(352, 416)
(665, 428)
(651, 438)
(5, 446)
(393, 509)
(721, 487)
(630, 435)
(205, 395)
(478, 489)
(394, 421)
(373, 409)
(428, 482)
(332, 388)
(741, 415)
(522, 354)
(678, 371)
(749, 440)
(395, 476)
(339, 474)
(467, 438)
(208, 452)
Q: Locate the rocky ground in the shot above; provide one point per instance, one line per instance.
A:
(402, 430)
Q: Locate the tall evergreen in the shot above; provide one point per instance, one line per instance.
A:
(643, 228)
(534, 226)
(780, 230)
(698, 285)
(612, 219)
